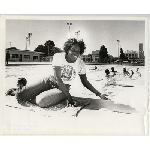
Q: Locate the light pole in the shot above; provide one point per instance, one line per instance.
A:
(26, 42)
(77, 33)
(29, 35)
(118, 48)
(69, 24)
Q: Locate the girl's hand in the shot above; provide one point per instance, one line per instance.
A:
(71, 103)
(103, 96)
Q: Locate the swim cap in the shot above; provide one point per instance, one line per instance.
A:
(112, 68)
(107, 71)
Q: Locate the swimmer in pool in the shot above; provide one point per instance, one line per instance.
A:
(131, 74)
(137, 71)
(94, 68)
(112, 81)
(107, 72)
(125, 72)
(113, 71)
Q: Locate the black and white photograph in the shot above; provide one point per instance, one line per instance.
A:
(75, 75)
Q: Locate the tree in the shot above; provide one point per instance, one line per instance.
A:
(48, 48)
(41, 48)
(111, 58)
(50, 45)
(55, 50)
(123, 57)
(103, 54)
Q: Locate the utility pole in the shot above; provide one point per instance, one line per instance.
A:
(118, 48)
(29, 35)
(26, 42)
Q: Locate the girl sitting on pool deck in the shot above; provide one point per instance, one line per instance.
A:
(66, 66)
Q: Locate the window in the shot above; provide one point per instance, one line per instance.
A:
(35, 57)
(15, 56)
(27, 56)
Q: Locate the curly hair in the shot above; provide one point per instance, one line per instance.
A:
(68, 44)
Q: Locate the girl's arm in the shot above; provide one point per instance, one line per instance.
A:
(89, 86)
(62, 87)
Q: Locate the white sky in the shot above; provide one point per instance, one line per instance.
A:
(95, 33)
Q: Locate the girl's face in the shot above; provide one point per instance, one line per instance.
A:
(74, 52)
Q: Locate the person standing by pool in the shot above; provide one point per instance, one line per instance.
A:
(7, 57)
(66, 66)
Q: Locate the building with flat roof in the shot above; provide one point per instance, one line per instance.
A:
(17, 55)
(93, 58)
(131, 54)
(95, 55)
(136, 55)
(86, 58)
(141, 51)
